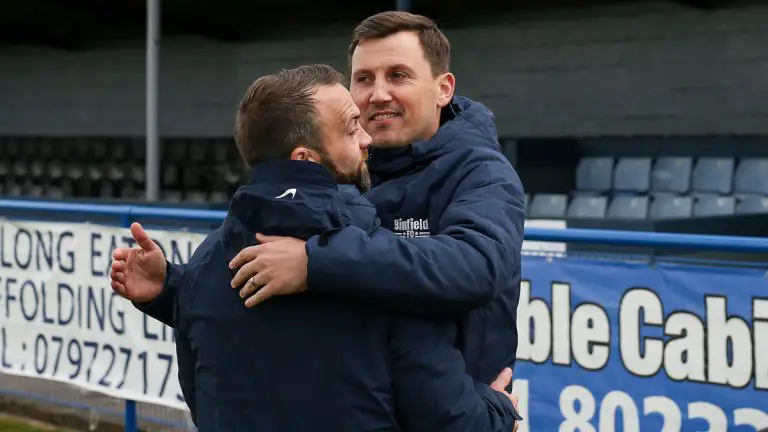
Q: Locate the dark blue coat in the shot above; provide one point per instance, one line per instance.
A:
(461, 193)
(312, 362)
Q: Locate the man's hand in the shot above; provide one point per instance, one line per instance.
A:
(138, 273)
(276, 266)
(500, 385)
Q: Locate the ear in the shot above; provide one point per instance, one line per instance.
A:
(302, 153)
(446, 87)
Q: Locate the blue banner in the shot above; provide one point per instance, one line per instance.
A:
(624, 346)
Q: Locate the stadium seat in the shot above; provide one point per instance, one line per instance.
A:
(628, 207)
(219, 197)
(47, 149)
(102, 151)
(13, 189)
(196, 197)
(714, 205)
(549, 206)
(33, 189)
(80, 150)
(752, 204)
(198, 151)
(55, 171)
(713, 175)
(671, 207)
(191, 177)
(171, 196)
(751, 177)
(170, 177)
(37, 170)
(174, 151)
(594, 174)
(54, 192)
(20, 171)
(672, 175)
(587, 207)
(632, 175)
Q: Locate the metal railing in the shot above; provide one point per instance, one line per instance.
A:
(126, 214)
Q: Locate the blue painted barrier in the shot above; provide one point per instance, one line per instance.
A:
(128, 213)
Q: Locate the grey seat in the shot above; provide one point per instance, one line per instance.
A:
(713, 205)
(671, 207)
(752, 204)
(713, 175)
(632, 174)
(549, 206)
(628, 207)
(751, 177)
(672, 174)
(587, 207)
(594, 174)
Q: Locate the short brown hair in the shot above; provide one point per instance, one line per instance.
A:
(437, 49)
(277, 113)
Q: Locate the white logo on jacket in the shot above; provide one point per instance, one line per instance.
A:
(291, 192)
(411, 227)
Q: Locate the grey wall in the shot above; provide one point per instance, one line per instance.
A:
(646, 69)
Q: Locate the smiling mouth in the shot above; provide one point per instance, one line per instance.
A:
(384, 116)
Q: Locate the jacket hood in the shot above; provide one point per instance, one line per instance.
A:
(285, 197)
(464, 124)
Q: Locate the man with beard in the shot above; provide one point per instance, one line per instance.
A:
(437, 174)
(306, 362)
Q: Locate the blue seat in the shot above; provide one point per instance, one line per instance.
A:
(714, 205)
(752, 204)
(632, 175)
(671, 207)
(628, 207)
(751, 177)
(548, 206)
(713, 175)
(594, 174)
(587, 207)
(672, 175)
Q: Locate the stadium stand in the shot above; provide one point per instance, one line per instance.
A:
(205, 172)
(666, 187)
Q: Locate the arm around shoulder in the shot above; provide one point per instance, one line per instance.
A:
(462, 267)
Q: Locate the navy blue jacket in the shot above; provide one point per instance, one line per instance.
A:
(461, 193)
(312, 362)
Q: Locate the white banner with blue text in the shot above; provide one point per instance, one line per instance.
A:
(61, 321)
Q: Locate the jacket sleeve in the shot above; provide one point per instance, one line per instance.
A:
(432, 390)
(475, 250)
(162, 307)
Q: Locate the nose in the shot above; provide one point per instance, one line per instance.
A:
(365, 139)
(380, 92)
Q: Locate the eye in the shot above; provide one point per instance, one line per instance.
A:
(399, 75)
(362, 79)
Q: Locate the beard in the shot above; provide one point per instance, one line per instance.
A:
(359, 177)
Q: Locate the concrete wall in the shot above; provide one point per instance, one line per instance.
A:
(645, 69)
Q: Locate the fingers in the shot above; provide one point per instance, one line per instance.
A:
(260, 296)
(261, 238)
(515, 401)
(248, 254)
(247, 271)
(252, 285)
(121, 253)
(502, 380)
(142, 238)
(118, 266)
(118, 288)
